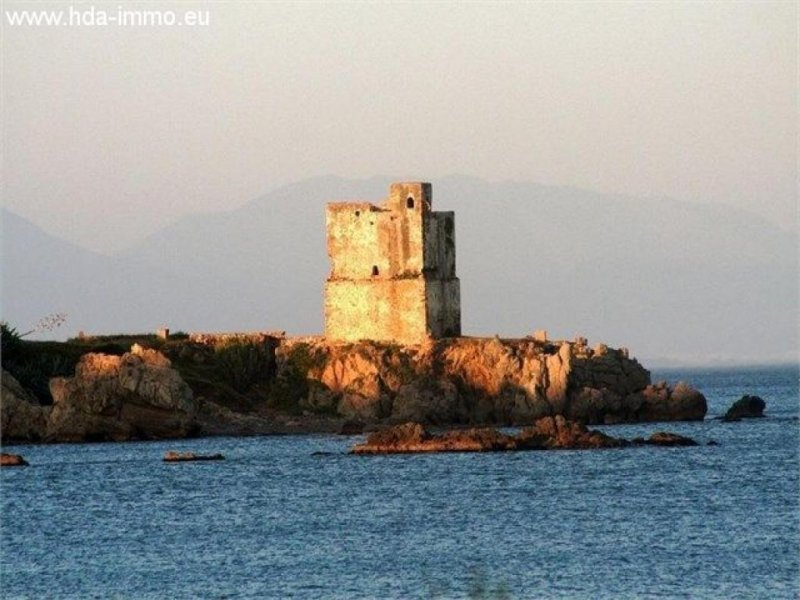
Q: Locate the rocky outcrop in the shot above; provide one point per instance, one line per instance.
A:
(12, 460)
(547, 433)
(412, 438)
(214, 419)
(660, 402)
(173, 456)
(22, 419)
(268, 384)
(746, 407)
(134, 396)
(665, 438)
(480, 381)
(554, 433)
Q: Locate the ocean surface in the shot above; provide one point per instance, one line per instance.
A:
(276, 520)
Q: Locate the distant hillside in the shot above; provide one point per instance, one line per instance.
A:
(42, 274)
(670, 280)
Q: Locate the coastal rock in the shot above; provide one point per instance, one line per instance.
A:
(12, 460)
(173, 456)
(361, 407)
(427, 401)
(548, 433)
(414, 438)
(22, 419)
(510, 382)
(665, 438)
(352, 428)
(661, 403)
(134, 396)
(213, 419)
(552, 433)
(746, 407)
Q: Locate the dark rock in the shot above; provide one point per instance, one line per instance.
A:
(665, 438)
(548, 433)
(662, 403)
(352, 427)
(712, 443)
(22, 419)
(746, 407)
(173, 456)
(551, 433)
(12, 460)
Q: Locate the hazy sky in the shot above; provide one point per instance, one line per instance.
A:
(110, 132)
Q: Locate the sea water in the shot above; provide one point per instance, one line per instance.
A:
(277, 519)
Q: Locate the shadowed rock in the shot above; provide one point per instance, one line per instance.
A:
(746, 407)
(173, 456)
(548, 433)
(351, 428)
(553, 433)
(22, 419)
(665, 438)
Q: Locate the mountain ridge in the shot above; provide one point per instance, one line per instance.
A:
(667, 278)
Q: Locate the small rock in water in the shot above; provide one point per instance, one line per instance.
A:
(665, 438)
(712, 443)
(173, 456)
(12, 460)
(746, 407)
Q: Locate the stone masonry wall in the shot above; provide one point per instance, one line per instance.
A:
(392, 269)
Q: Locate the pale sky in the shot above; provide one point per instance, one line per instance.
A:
(111, 132)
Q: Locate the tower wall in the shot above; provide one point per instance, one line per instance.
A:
(392, 269)
(391, 310)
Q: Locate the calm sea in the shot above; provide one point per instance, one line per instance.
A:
(276, 520)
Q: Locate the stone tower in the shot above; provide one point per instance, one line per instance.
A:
(393, 269)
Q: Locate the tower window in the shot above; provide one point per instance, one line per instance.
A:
(374, 270)
(410, 202)
(358, 213)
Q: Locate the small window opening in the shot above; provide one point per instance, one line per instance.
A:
(374, 270)
(358, 213)
(410, 202)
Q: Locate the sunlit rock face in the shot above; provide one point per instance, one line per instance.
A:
(481, 381)
(134, 396)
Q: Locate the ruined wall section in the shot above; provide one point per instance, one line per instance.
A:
(443, 289)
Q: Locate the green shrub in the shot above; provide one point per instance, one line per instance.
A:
(11, 342)
(34, 373)
(243, 363)
(34, 363)
(304, 358)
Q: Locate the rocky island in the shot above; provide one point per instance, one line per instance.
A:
(248, 384)
(392, 352)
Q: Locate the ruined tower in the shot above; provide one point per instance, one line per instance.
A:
(393, 269)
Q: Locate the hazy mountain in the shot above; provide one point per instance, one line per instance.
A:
(43, 274)
(670, 280)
